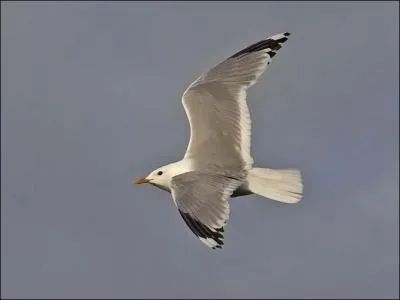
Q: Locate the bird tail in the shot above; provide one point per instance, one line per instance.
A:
(283, 185)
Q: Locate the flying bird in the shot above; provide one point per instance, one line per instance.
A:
(218, 164)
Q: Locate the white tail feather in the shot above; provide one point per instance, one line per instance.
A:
(280, 185)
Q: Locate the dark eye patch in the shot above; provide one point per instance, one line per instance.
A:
(159, 173)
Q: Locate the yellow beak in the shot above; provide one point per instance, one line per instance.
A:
(141, 180)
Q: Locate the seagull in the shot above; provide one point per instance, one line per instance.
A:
(218, 164)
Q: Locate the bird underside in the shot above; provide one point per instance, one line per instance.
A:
(240, 191)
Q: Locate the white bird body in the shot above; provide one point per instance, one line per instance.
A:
(218, 164)
(280, 185)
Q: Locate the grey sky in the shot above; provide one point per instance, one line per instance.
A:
(90, 99)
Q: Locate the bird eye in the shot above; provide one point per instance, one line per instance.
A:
(159, 173)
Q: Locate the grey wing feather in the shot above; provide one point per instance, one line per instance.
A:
(202, 201)
(244, 67)
(220, 125)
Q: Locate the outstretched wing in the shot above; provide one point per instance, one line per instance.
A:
(202, 201)
(215, 104)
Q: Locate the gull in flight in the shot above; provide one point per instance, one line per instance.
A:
(217, 164)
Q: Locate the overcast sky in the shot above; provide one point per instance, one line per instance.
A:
(90, 99)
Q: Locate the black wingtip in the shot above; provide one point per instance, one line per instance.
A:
(201, 230)
(272, 43)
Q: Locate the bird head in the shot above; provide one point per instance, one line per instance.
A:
(162, 177)
(158, 177)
